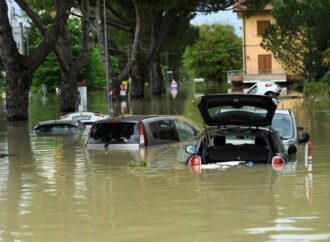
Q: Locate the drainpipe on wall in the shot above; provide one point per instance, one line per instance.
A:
(244, 47)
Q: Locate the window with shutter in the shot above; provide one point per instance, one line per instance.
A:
(261, 25)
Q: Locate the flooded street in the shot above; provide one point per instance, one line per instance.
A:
(53, 189)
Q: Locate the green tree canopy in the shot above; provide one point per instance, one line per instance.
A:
(49, 72)
(217, 50)
(300, 35)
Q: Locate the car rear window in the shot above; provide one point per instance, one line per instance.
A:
(56, 128)
(225, 111)
(114, 133)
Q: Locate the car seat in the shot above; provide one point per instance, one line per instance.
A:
(260, 142)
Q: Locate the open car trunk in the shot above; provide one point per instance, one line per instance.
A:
(230, 152)
(237, 148)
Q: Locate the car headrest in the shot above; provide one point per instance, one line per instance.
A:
(219, 140)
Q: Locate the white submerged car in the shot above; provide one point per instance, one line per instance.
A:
(268, 88)
(86, 118)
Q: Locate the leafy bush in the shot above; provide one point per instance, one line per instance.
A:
(319, 89)
(326, 77)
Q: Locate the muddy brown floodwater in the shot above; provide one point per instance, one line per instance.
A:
(53, 189)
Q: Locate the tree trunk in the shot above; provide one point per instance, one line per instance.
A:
(71, 69)
(19, 69)
(69, 92)
(137, 85)
(155, 75)
(100, 33)
(17, 95)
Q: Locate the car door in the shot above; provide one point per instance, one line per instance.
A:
(185, 130)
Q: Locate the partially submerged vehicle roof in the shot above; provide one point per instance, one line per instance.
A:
(74, 123)
(132, 118)
(237, 109)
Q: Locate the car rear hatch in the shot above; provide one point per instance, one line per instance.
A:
(237, 109)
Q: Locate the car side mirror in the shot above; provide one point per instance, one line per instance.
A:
(292, 149)
(304, 138)
(191, 149)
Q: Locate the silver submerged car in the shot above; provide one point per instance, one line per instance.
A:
(284, 122)
(132, 132)
(59, 127)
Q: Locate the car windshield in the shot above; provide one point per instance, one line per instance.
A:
(282, 123)
(114, 133)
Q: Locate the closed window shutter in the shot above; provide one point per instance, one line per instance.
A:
(261, 26)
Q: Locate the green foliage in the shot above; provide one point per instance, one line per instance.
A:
(326, 78)
(49, 72)
(136, 164)
(326, 57)
(316, 89)
(300, 36)
(217, 50)
(94, 72)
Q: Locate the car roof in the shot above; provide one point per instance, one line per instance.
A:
(283, 111)
(83, 112)
(133, 118)
(57, 123)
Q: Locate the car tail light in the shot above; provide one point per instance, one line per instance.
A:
(268, 84)
(143, 137)
(195, 160)
(99, 115)
(278, 163)
(194, 164)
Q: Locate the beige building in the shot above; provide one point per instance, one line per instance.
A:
(258, 63)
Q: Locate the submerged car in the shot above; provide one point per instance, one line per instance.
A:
(284, 122)
(87, 118)
(268, 88)
(140, 130)
(59, 127)
(238, 129)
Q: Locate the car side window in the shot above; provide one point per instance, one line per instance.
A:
(164, 130)
(185, 131)
(253, 90)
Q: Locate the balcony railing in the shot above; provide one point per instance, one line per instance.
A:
(240, 77)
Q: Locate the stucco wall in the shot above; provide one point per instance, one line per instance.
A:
(252, 48)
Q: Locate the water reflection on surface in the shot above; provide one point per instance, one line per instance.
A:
(53, 189)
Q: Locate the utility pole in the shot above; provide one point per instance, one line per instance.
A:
(20, 38)
(108, 98)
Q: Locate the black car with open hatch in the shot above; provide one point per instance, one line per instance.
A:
(238, 132)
